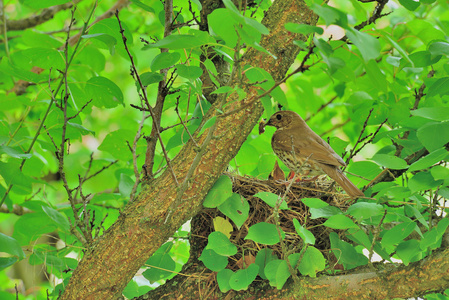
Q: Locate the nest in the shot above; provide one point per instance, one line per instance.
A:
(247, 187)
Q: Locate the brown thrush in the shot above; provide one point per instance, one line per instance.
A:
(304, 152)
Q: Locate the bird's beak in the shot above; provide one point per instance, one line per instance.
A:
(262, 125)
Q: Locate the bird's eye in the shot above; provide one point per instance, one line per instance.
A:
(278, 117)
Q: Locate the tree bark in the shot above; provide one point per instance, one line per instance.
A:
(163, 206)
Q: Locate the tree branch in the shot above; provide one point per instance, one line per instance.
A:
(44, 16)
(141, 228)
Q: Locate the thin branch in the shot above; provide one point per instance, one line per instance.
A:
(375, 236)
(134, 153)
(41, 124)
(177, 124)
(46, 15)
(377, 14)
(153, 116)
(303, 67)
(323, 106)
(351, 153)
(183, 124)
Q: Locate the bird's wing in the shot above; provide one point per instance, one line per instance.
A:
(307, 144)
(314, 146)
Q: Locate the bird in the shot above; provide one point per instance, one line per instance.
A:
(306, 153)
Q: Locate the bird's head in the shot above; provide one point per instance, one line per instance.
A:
(284, 120)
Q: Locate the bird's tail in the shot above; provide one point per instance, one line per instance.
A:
(336, 174)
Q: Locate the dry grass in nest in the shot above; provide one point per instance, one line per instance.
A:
(262, 212)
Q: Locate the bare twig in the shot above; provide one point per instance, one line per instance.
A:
(323, 106)
(43, 119)
(154, 117)
(183, 124)
(359, 139)
(377, 14)
(375, 236)
(303, 67)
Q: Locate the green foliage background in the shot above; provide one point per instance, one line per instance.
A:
(391, 77)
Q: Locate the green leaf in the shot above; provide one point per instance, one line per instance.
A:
(223, 278)
(390, 161)
(235, 13)
(7, 68)
(144, 7)
(4, 263)
(14, 152)
(133, 290)
(104, 92)
(439, 87)
(189, 72)
(160, 266)
(45, 58)
(222, 90)
(164, 60)
(223, 24)
(115, 143)
(398, 47)
(218, 194)
(277, 273)
(271, 199)
(208, 124)
(314, 202)
(241, 279)
(43, 3)
(81, 129)
(11, 246)
(346, 253)
(409, 251)
(148, 78)
(200, 7)
(29, 227)
(339, 222)
(411, 210)
(432, 238)
(324, 212)
(312, 262)
(178, 41)
(213, 261)
(323, 46)
(303, 28)
(439, 48)
(263, 257)
(423, 181)
(429, 160)
(331, 15)
(378, 78)
(255, 25)
(368, 45)
(366, 169)
(125, 185)
(397, 234)
(218, 242)
(365, 210)
(409, 4)
(13, 176)
(439, 172)
(359, 236)
(236, 208)
(58, 218)
(264, 233)
(434, 135)
(304, 233)
(434, 113)
(423, 59)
